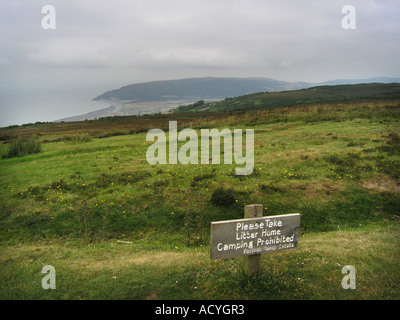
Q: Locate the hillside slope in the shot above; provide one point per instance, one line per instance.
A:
(310, 95)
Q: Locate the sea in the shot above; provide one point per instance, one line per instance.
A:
(18, 109)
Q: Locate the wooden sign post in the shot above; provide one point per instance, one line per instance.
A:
(253, 235)
(251, 264)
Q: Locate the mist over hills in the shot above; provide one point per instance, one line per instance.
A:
(357, 81)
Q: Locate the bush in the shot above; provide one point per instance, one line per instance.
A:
(393, 142)
(22, 147)
(393, 138)
(222, 197)
(269, 188)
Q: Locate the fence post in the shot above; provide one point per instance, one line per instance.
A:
(251, 264)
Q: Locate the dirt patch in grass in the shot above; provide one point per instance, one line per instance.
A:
(382, 184)
(324, 192)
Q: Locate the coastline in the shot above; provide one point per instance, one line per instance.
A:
(114, 107)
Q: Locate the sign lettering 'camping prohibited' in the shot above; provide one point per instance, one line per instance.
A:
(242, 237)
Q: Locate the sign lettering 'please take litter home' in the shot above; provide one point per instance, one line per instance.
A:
(234, 238)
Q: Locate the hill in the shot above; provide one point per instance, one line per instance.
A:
(163, 96)
(319, 94)
(198, 88)
(216, 88)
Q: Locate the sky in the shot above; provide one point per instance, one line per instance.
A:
(100, 45)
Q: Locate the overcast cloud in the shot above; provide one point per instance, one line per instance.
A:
(101, 45)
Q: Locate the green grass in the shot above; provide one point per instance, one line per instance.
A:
(153, 269)
(66, 206)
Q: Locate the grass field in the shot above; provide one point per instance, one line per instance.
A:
(90, 185)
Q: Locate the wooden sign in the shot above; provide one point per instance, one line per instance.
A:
(252, 236)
